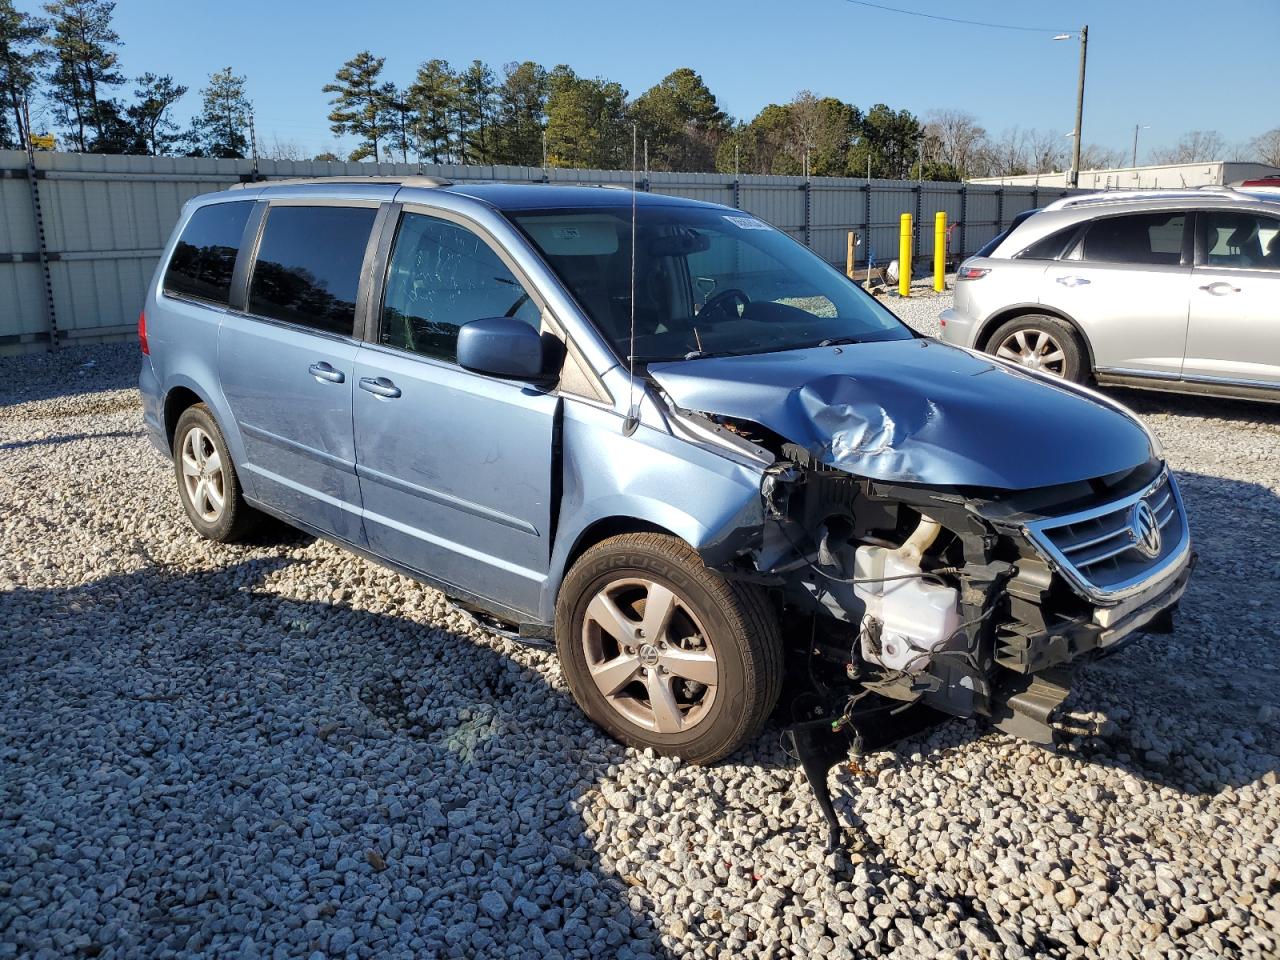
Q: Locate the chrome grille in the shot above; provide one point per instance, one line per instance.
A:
(1110, 551)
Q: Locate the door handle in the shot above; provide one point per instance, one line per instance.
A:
(380, 387)
(1220, 288)
(1074, 281)
(326, 371)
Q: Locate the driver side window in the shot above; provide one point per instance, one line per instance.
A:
(728, 264)
(441, 276)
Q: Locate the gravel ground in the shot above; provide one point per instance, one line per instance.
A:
(281, 750)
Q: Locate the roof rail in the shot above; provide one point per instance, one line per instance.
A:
(1134, 196)
(412, 180)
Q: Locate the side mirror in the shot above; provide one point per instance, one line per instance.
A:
(502, 347)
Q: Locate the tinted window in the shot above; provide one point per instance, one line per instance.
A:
(308, 266)
(205, 256)
(986, 249)
(1241, 240)
(441, 276)
(1141, 238)
(1048, 248)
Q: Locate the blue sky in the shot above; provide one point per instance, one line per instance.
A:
(1175, 65)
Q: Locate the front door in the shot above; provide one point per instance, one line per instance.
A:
(455, 467)
(1234, 331)
(287, 367)
(1126, 283)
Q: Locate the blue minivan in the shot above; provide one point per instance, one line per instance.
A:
(666, 438)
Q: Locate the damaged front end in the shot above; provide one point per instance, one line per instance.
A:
(905, 603)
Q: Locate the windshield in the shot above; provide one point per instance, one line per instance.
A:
(708, 282)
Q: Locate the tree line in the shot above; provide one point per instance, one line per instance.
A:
(523, 114)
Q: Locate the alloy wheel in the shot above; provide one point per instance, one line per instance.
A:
(203, 475)
(1035, 349)
(649, 655)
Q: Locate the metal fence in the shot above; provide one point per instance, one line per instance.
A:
(80, 233)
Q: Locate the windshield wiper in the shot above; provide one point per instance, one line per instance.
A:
(839, 341)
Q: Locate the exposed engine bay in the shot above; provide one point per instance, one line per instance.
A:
(904, 604)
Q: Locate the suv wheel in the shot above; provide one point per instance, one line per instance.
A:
(207, 481)
(663, 653)
(1041, 343)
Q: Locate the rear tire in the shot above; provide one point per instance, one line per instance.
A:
(207, 482)
(697, 677)
(1043, 343)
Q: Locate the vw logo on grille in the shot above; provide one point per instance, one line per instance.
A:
(1144, 529)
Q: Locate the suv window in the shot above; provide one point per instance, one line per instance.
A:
(205, 256)
(441, 276)
(1019, 220)
(1050, 247)
(308, 266)
(1241, 240)
(1140, 238)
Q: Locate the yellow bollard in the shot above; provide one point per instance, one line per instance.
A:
(848, 257)
(904, 257)
(940, 251)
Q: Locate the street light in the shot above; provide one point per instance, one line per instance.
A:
(1074, 178)
(1136, 128)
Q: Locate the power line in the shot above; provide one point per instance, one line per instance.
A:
(971, 23)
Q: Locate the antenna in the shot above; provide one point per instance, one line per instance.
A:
(633, 411)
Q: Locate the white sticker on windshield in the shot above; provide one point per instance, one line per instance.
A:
(747, 223)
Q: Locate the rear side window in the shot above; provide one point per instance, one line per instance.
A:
(308, 266)
(205, 256)
(441, 276)
(1145, 238)
(986, 249)
(1050, 247)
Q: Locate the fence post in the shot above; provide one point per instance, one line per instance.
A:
(42, 247)
(1035, 197)
(848, 256)
(904, 256)
(1000, 210)
(964, 221)
(919, 219)
(737, 193)
(807, 209)
(866, 226)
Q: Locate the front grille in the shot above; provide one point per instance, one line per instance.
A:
(1115, 549)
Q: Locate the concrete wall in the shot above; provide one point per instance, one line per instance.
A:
(106, 220)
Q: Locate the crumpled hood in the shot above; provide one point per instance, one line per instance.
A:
(916, 411)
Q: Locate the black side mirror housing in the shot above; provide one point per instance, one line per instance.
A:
(502, 347)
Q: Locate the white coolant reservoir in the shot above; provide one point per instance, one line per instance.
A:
(917, 616)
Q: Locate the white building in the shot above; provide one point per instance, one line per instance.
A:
(1214, 173)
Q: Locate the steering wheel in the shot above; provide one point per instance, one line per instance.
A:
(723, 299)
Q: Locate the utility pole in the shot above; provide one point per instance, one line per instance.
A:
(1136, 128)
(1075, 148)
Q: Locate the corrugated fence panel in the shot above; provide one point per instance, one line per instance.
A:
(107, 219)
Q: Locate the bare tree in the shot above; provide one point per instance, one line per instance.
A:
(277, 149)
(1197, 146)
(1046, 151)
(956, 138)
(1006, 157)
(1095, 157)
(1266, 148)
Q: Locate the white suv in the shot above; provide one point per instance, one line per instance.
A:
(1168, 290)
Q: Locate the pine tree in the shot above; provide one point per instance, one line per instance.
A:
(219, 130)
(20, 63)
(85, 68)
(520, 114)
(401, 139)
(432, 99)
(682, 122)
(586, 122)
(153, 130)
(474, 108)
(361, 105)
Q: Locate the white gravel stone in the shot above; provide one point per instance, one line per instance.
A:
(280, 749)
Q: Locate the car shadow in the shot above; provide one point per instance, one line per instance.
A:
(1146, 402)
(229, 767)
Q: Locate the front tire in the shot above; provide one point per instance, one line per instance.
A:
(1042, 343)
(663, 653)
(207, 482)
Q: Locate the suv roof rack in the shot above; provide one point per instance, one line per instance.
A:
(1134, 196)
(411, 180)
